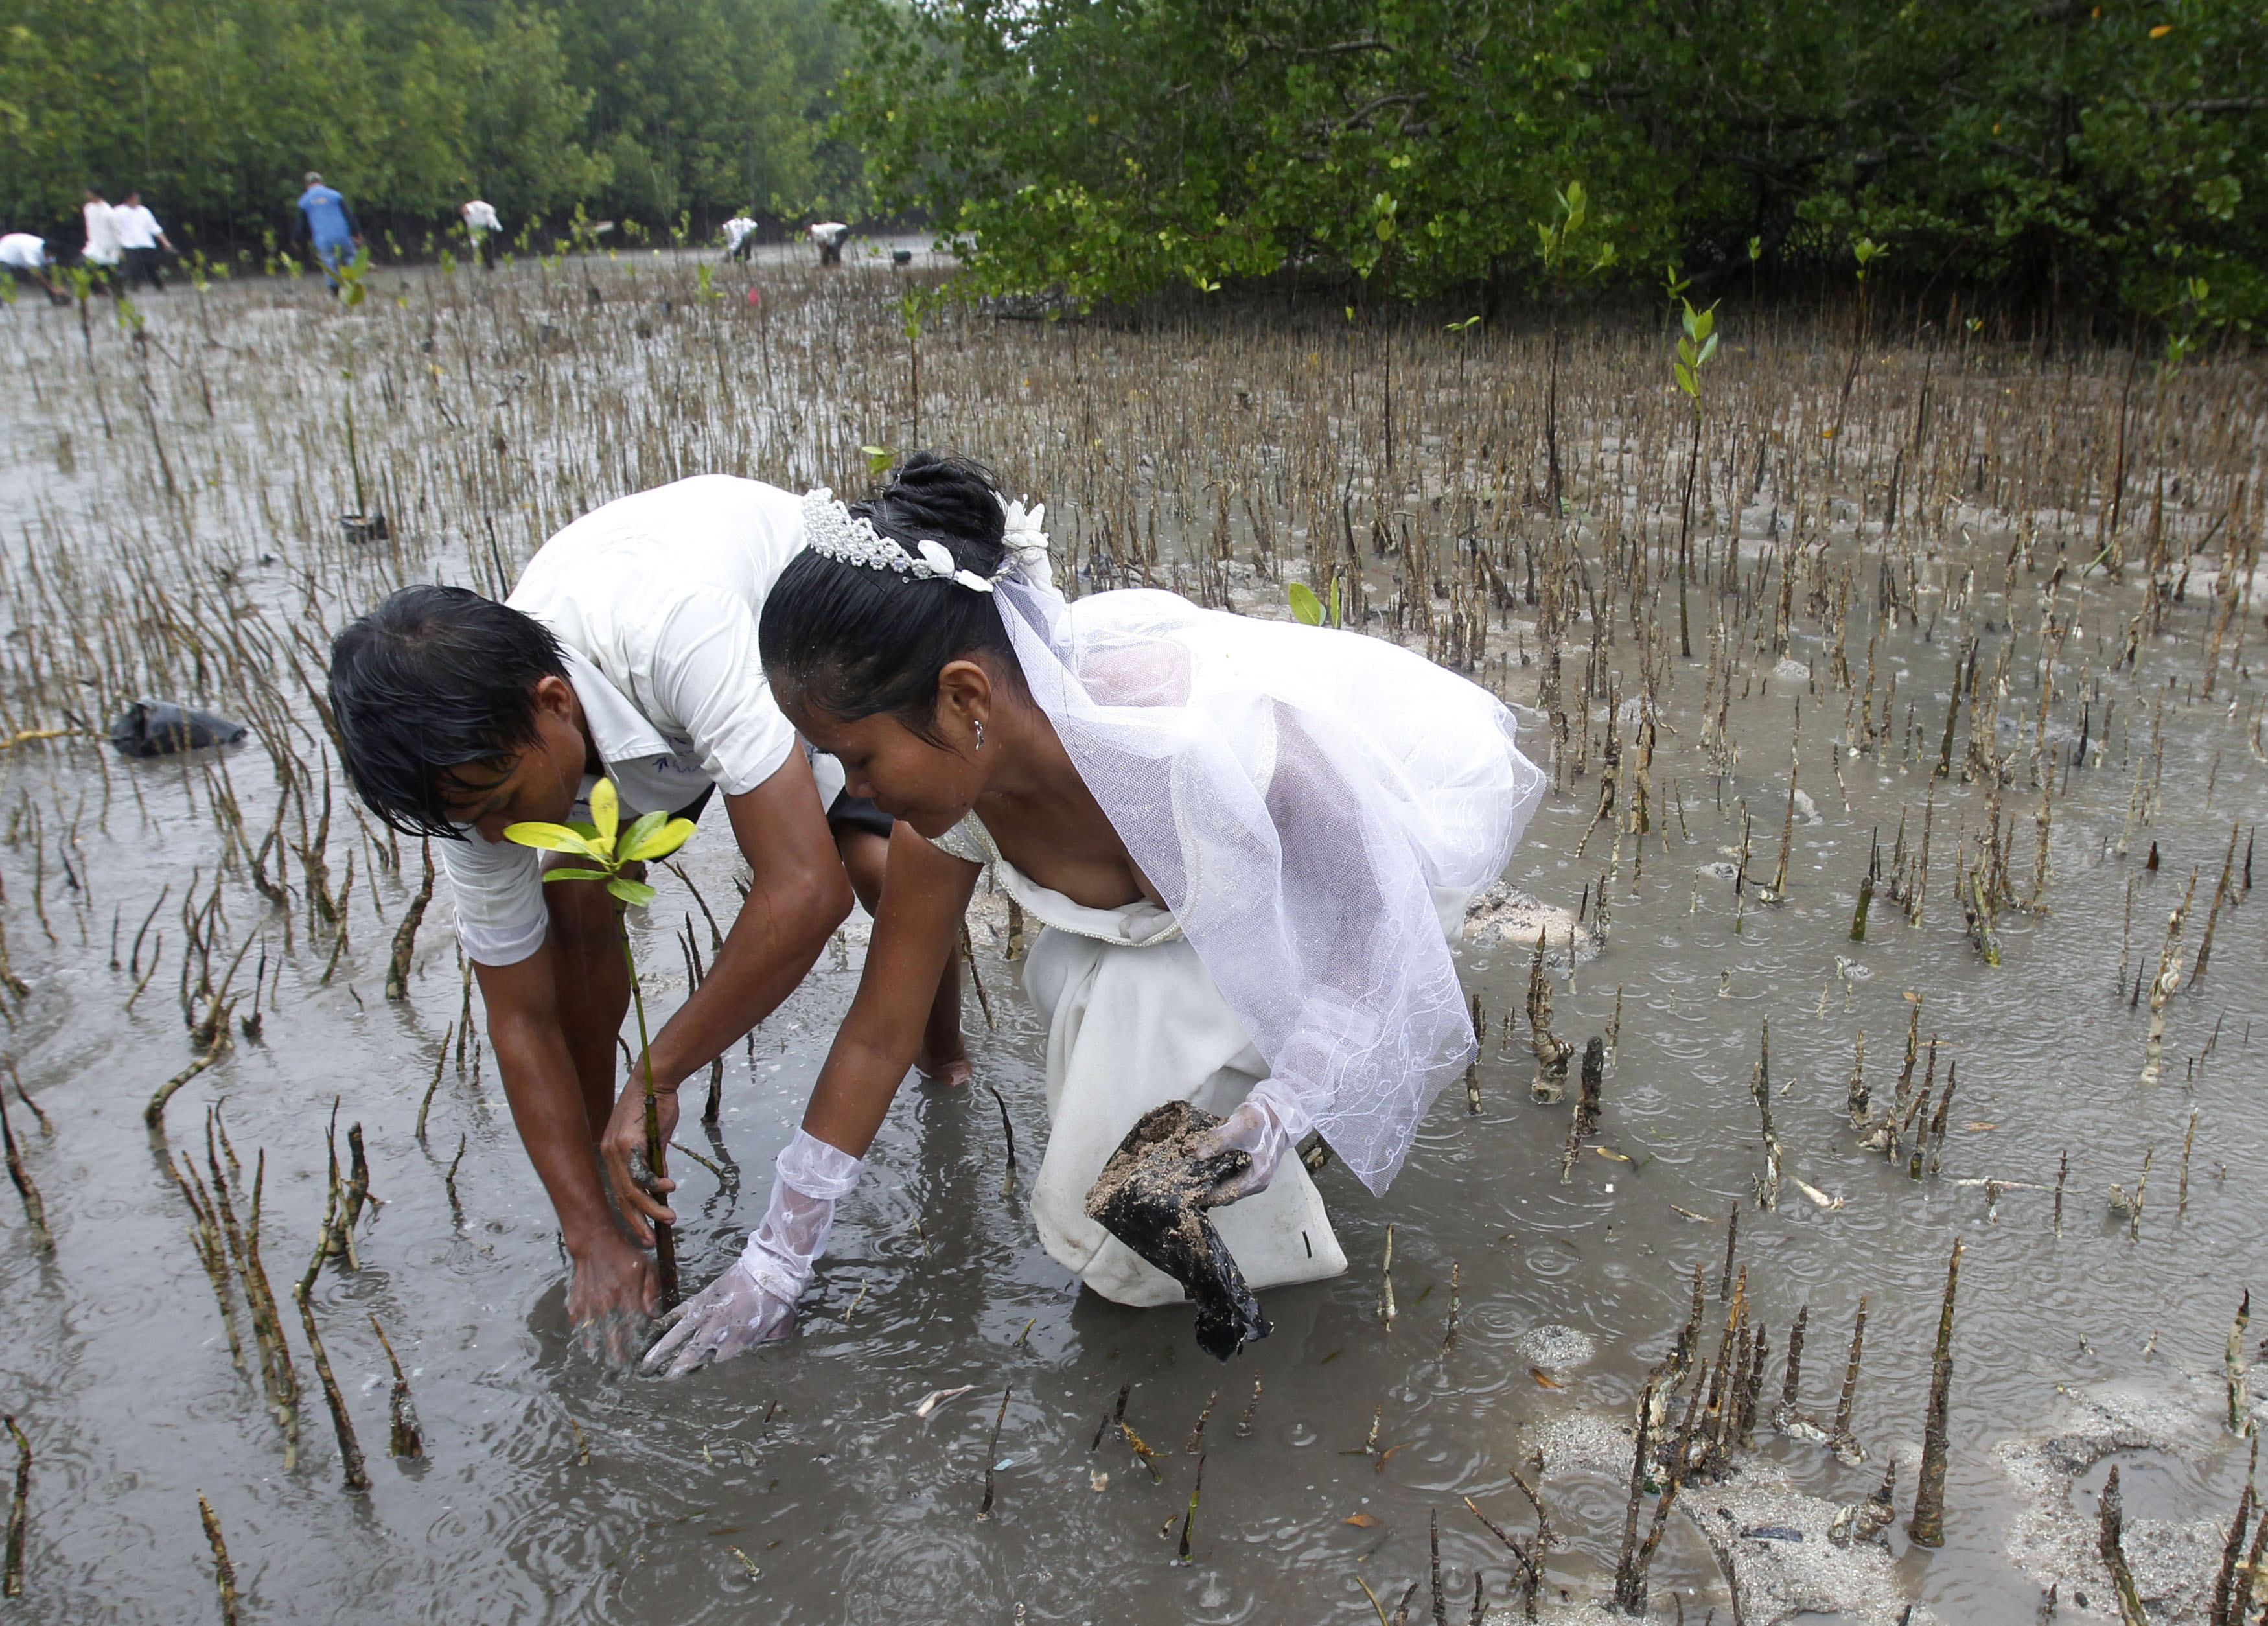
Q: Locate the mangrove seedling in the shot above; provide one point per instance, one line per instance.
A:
(1310, 610)
(1552, 243)
(1695, 347)
(610, 854)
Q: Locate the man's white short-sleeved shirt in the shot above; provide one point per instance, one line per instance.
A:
(654, 598)
(102, 245)
(137, 227)
(482, 216)
(23, 251)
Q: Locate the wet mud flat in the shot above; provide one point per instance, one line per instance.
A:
(1913, 679)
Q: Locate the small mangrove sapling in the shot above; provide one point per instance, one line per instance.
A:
(1695, 347)
(609, 851)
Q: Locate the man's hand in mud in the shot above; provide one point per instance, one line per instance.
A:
(622, 1150)
(613, 1290)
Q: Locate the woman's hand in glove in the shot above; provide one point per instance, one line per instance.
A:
(1263, 1129)
(731, 1315)
(754, 1302)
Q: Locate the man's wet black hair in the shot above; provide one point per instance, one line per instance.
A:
(432, 679)
(856, 642)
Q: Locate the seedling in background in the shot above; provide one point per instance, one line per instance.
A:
(1551, 247)
(1866, 251)
(1308, 610)
(1695, 347)
(609, 851)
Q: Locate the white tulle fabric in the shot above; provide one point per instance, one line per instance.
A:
(1313, 806)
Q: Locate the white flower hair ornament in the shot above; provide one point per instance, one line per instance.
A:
(1027, 544)
(830, 531)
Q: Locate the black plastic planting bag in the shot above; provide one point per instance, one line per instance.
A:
(161, 727)
(1152, 1195)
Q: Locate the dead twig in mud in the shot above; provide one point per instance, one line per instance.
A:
(35, 1209)
(1244, 1423)
(1927, 1526)
(425, 1102)
(1529, 1559)
(223, 1571)
(976, 980)
(11, 1563)
(404, 1439)
(992, 1451)
(1552, 1053)
(1008, 1134)
(405, 935)
(723, 1178)
(449, 1183)
(349, 1447)
(2224, 1586)
(2110, 1544)
(2239, 1405)
(153, 1115)
(1844, 1443)
(47, 1127)
(1189, 1520)
(1195, 1447)
(204, 1236)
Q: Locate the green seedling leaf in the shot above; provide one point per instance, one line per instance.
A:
(658, 843)
(1708, 349)
(1306, 609)
(606, 813)
(565, 874)
(1336, 620)
(642, 827)
(637, 894)
(551, 838)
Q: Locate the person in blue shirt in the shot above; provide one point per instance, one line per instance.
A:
(326, 221)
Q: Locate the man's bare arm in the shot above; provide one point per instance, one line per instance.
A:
(540, 1083)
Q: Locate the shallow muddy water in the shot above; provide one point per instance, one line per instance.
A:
(800, 1484)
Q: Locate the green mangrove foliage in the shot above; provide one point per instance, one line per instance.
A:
(639, 107)
(1105, 149)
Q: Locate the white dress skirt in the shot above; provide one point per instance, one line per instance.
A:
(1134, 1020)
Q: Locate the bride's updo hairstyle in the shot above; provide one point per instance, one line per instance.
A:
(855, 642)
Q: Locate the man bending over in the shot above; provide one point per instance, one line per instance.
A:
(628, 649)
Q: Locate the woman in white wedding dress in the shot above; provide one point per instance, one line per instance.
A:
(1248, 843)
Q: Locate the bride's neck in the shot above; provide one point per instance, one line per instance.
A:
(1034, 774)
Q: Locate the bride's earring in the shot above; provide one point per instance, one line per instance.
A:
(980, 733)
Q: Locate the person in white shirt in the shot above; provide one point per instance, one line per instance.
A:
(483, 226)
(740, 237)
(830, 235)
(628, 650)
(140, 237)
(25, 258)
(104, 251)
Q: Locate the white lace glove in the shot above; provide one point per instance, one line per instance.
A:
(754, 1302)
(1265, 1125)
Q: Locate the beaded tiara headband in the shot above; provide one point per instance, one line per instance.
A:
(830, 531)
